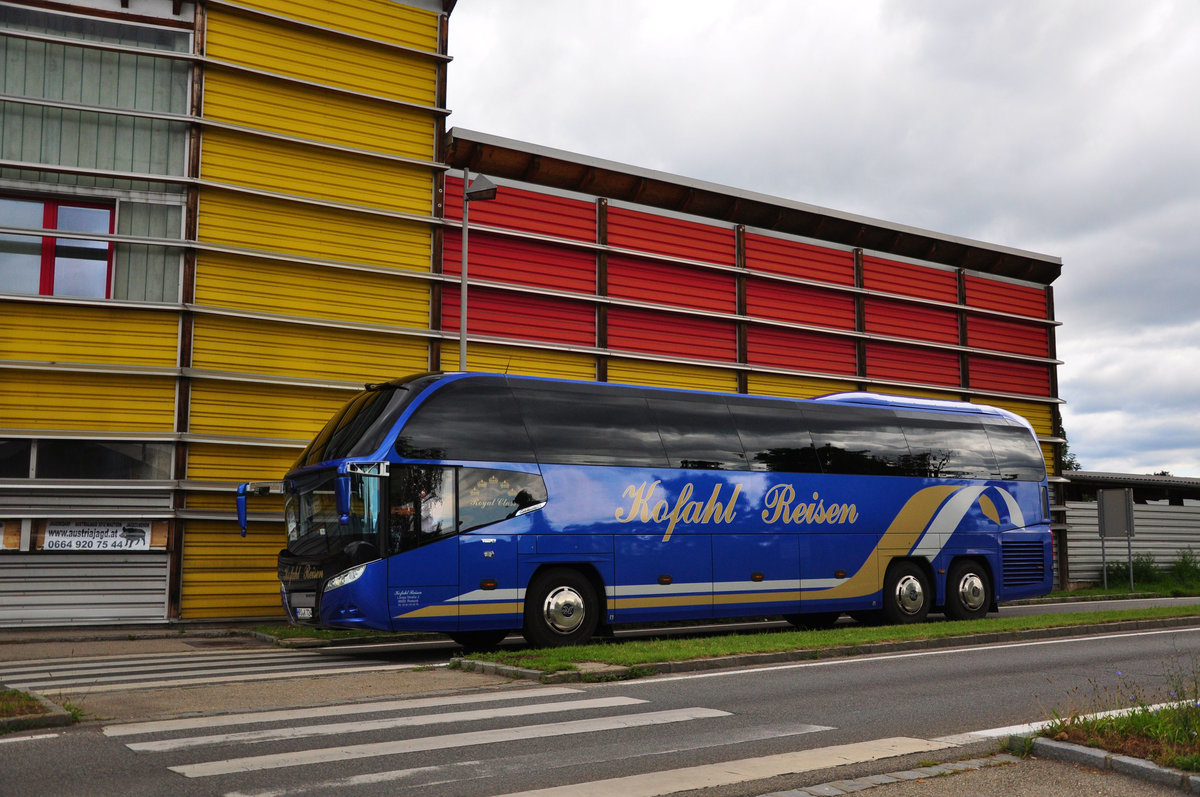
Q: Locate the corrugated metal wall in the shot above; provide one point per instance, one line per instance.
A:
(668, 299)
(1159, 530)
(316, 220)
(83, 588)
(81, 372)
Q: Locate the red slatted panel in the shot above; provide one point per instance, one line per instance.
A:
(662, 235)
(521, 316)
(989, 373)
(522, 262)
(912, 364)
(907, 279)
(985, 332)
(671, 335)
(799, 304)
(668, 283)
(530, 211)
(905, 320)
(993, 294)
(800, 350)
(796, 259)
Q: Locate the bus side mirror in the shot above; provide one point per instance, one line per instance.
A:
(342, 487)
(241, 505)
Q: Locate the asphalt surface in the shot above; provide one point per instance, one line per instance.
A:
(984, 775)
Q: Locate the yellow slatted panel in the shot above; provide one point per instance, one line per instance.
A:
(794, 386)
(64, 333)
(227, 575)
(917, 393)
(692, 377)
(306, 230)
(226, 501)
(212, 462)
(224, 280)
(391, 22)
(1041, 416)
(87, 402)
(272, 411)
(526, 362)
(310, 113)
(310, 55)
(1048, 456)
(222, 343)
(274, 165)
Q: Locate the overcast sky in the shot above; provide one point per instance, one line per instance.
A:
(1065, 128)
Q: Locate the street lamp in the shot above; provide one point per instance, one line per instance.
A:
(481, 189)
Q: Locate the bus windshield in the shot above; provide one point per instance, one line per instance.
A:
(314, 527)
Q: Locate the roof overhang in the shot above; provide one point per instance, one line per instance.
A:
(568, 171)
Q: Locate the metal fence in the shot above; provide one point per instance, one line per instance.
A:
(1159, 530)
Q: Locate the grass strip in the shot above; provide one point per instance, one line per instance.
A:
(632, 653)
(18, 704)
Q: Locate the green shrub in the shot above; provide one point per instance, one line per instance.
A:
(1186, 567)
(1145, 570)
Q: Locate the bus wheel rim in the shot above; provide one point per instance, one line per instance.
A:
(970, 591)
(910, 595)
(564, 610)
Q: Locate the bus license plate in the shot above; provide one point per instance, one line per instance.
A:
(303, 612)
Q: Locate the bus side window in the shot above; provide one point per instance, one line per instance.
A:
(487, 496)
(774, 437)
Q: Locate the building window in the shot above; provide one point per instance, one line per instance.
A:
(52, 266)
(59, 458)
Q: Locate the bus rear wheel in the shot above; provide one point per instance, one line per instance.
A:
(906, 595)
(560, 609)
(968, 591)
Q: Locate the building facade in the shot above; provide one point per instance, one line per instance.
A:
(219, 219)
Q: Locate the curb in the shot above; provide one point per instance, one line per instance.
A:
(1102, 759)
(53, 717)
(594, 672)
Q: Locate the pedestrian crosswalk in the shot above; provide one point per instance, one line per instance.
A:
(477, 743)
(157, 670)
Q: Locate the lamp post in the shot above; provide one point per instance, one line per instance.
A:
(481, 189)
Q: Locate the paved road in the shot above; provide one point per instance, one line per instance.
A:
(723, 731)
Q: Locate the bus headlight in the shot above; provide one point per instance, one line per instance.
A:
(345, 577)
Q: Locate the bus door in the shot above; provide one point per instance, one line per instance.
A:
(423, 549)
(755, 573)
(496, 509)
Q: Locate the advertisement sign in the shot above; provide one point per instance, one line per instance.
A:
(97, 535)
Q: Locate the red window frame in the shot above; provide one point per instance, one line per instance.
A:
(49, 247)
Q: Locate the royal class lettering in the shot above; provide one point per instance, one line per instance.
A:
(644, 507)
(782, 507)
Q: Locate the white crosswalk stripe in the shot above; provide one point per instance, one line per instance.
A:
(118, 673)
(313, 750)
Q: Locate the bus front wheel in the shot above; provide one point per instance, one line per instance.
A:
(560, 609)
(968, 591)
(906, 594)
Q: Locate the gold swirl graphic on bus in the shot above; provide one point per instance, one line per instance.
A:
(901, 535)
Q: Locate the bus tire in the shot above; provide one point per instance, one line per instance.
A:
(813, 621)
(906, 594)
(968, 590)
(560, 609)
(479, 641)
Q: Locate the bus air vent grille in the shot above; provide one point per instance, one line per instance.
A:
(1024, 562)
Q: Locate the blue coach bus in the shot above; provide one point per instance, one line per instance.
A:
(481, 504)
